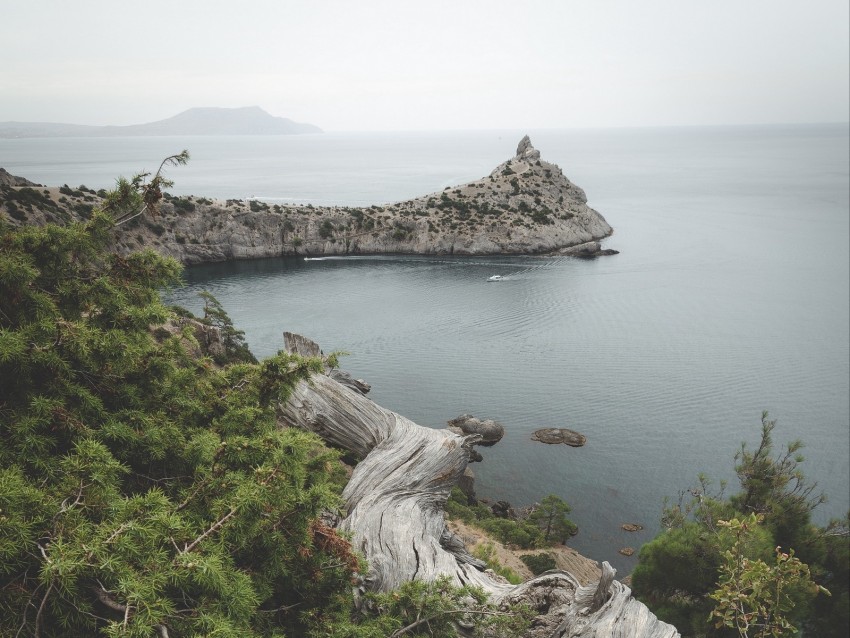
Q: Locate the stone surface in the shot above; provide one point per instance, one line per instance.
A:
(587, 250)
(503, 509)
(526, 152)
(553, 436)
(466, 483)
(632, 527)
(490, 431)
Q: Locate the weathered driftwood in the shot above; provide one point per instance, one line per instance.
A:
(394, 510)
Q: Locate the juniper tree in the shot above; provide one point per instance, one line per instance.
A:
(143, 491)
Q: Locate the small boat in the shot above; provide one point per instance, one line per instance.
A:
(495, 278)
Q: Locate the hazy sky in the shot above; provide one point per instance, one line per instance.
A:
(399, 65)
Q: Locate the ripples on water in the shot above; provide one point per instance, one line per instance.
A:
(730, 296)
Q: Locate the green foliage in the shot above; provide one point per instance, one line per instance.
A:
(235, 347)
(142, 490)
(776, 487)
(132, 198)
(326, 229)
(539, 563)
(487, 553)
(681, 568)
(551, 517)
(424, 609)
(755, 598)
(523, 534)
(26, 197)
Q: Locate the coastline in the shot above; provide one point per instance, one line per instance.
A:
(525, 206)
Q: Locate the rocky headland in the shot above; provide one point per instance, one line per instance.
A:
(524, 206)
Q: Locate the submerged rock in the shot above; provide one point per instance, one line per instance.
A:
(631, 527)
(553, 436)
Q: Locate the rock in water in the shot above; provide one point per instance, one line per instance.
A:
(553, 436)
(490, 431)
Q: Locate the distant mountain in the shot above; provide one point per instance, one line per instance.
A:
(248, 120)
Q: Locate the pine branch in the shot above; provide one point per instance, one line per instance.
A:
(188, 548)
(428, 619)
(37, 631)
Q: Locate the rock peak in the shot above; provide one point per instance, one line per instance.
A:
(526, 151)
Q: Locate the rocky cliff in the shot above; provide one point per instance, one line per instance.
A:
(524, 206)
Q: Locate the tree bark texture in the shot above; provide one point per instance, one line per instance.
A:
(394, 510)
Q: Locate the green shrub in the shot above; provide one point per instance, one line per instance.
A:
(326, 229)
(487, 553)
(538, 563)
(141, 491)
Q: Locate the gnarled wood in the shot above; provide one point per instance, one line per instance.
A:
(394, 506)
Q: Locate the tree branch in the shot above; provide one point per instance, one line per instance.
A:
(428, 619)
(188, 548)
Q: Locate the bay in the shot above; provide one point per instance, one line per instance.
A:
(729, 297)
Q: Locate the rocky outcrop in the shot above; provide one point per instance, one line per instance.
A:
(393, 507)
(7, 179)
(587, 250)
(524, 206)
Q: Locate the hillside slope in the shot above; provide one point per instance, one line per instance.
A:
(248, 120)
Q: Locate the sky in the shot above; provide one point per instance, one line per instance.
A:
(347, 65)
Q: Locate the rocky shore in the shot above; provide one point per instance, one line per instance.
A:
(524, 206)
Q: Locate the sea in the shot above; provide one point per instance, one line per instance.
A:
(729, 297)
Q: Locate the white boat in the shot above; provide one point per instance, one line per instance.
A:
(495, 278)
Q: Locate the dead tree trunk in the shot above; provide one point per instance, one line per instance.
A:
(394, 509)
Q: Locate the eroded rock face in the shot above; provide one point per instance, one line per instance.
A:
(525, 151)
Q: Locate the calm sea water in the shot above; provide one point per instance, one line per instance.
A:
(729, 297)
